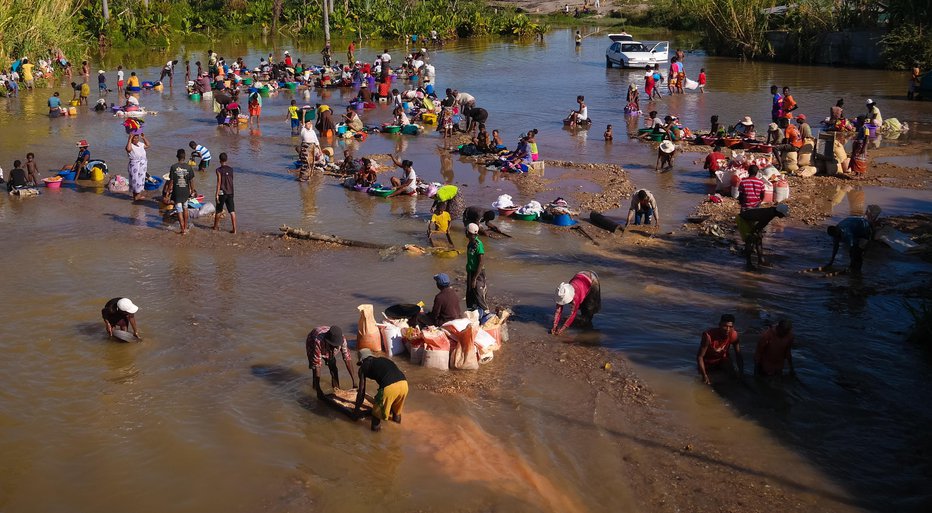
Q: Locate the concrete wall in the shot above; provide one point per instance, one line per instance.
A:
(848, 48)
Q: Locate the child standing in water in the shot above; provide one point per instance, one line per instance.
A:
(608, 133)
(702, 80)
(32, 170)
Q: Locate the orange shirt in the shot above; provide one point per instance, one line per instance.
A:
(788, 104)
(793, 136)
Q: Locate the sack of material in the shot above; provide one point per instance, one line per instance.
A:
(436, 359)
(804, 159)
(790, 162)
(367, 334)
(392, 342)
(435, 339)
(463, 355)
(690, 84)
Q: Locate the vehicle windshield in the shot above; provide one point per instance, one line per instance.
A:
(634, 47)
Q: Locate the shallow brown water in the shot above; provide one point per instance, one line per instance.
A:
(212, 411)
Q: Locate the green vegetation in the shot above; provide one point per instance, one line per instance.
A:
(33, 27)
(740, 27)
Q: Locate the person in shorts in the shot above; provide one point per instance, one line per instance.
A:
(180, 188)
(203, 152)
(224, 193)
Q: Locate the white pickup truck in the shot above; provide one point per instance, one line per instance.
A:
(625, 52)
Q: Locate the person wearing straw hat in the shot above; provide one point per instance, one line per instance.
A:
(389, 400)
(84, 156)
(745, 128)
(665, 154)
(583, 294)
(120, 313)
(321, 345)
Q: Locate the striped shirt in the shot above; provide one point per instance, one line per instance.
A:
(750, 192)
(318, 349)
(202, 151)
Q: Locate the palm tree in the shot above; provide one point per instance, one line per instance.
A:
(106, 10)
(326, 22)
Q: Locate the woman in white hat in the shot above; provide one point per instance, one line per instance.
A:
(120, 312)
(665, 154)
(584, 296)
(745, 128)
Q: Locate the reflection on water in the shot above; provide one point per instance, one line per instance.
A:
(148, 422)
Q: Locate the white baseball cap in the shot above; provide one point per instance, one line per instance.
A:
(472, 228)
(127, 306)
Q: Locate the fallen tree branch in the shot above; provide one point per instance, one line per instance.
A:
(306, 235)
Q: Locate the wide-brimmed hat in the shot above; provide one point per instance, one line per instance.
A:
(334, 336)
(127, 306)
(472, 228)
(801, 117)
(565, 294)
(101, 72)
(667, 147)
(747, 121)
(82, 143)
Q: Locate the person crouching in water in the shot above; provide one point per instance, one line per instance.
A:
(584, 296)
(120, 313)
(393, 388)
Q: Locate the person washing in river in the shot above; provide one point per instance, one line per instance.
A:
(408, 185)
(446, 305)
(580, 116)
(321, 346)
(204, 154)
(713, 349)
(774, 348)
(856, 233)
(180, 188)
(120, 313)
(389, 400)
(583, 294)
(751, 224)
(643, 206)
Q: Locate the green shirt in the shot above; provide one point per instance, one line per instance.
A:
(473, 251)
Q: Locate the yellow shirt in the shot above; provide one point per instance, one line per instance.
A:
(27, 71)
(293, 111)
(442, 220)
(85, 89)
(132, 82)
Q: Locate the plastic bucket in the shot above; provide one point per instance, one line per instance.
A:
(97, 174)
(341, 129)
(247, 81)
(525, 217)
(72, 111)
(195, 97)
(264, 92)
(563, 220)
(291, 85)
(53, 184)
(67, 175)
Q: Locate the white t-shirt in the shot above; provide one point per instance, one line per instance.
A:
(309, 136)
(412, 177)
(132, 101)
(583, 113)
(169, 66)
(463, 98)
(120, 75)
(417, 63)
(386, 57)
(431, 71)
(404, 119)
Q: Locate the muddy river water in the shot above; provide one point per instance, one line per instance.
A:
(212, 412)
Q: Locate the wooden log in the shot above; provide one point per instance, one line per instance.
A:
(306, 235)
(603, 222)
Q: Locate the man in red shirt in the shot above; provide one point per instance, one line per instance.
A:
(773, 349)
(713, 348)
(751, 190)
(712, 161)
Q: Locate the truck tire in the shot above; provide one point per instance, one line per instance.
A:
(608, 62)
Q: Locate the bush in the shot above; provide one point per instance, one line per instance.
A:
(906, 45)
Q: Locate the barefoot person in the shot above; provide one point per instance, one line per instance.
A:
(180, 188)
(584, 296)
(856, 233)
(393, 388)
(751, 224)
(713, 349)
(322, 345)
(120, 313)
(407, 185)
(138, 164)
(224, 193)
(643, 207)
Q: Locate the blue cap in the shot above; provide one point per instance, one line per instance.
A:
(442, 279)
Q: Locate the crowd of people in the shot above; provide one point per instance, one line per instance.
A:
(410, 89)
